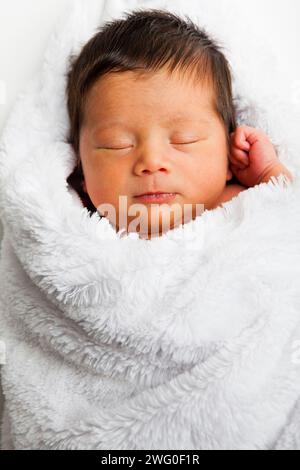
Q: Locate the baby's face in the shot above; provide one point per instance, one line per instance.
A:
(148, 134)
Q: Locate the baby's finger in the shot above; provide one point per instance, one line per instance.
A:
(239, 138)
(239, 156)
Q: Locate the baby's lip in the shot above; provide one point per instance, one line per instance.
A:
(154, 192)
(158, 198)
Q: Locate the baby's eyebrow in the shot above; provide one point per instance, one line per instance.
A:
(186, 119)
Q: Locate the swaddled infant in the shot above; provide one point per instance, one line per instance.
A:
(153, 125)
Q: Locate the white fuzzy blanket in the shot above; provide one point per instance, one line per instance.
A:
(188, 341)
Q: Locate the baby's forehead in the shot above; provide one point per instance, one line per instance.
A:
(127, 84)
(111, 106)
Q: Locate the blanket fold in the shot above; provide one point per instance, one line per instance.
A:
(187, 341)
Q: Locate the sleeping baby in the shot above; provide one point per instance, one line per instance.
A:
(153, 126)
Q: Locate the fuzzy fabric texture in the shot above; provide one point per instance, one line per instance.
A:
(187, 341)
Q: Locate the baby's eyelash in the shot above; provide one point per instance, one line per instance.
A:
(187, 143)
(125, 148)
(112, 148)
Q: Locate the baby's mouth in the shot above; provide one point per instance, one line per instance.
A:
(158, 198)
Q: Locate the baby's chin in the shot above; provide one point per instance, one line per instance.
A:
(150, 231)
(154, 220)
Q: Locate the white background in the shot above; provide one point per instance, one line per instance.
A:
(25, 26)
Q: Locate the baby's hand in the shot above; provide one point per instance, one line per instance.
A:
(252, 155)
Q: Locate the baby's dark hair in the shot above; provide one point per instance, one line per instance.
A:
(146, 41)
